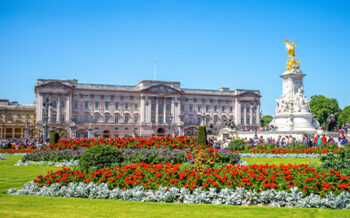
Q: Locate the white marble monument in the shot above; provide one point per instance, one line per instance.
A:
(293, 109)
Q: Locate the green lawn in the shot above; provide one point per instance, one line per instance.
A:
(36, 206)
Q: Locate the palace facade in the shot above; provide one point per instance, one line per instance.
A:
(148, 108)
(15, 119)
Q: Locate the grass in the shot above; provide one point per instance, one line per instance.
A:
(37, 206)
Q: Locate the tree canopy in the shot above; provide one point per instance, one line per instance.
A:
(265, 120)
(322, 107)
(344, 116)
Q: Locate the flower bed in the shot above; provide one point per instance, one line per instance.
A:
(240, 196)
(154, 155)
(266, 155)
(254, 177)
(14, 151)
(129, 142)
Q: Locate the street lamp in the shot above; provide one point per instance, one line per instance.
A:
(46, 107)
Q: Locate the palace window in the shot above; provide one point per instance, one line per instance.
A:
(106, 119)
(198, 120)
(62, 118)
(136, 119)
(54, 104)
(153, 107)
(62, 104)
(242, 121)
(207, 120)
(242, 109)
(136, 106)
(254, 121)
(28, 115)
(207, 108)
(247, 109)
(223, 121)
(116, 106)
(18, 115)
(74, 118)
(160, 119)
(96, 105)
(168, 107)
(126, 118)
(182, 108)
(10, 114)
(53, 120)
(198, 108)
(153, 120)
(190, 108)
(76, 105)
(106, 105)
(97, 118)
(215, 120)
(248, 120)
(116, 120)
(223, 108)
(86, 105)
(86, 118)
(230, 109)
(126, 106)
(215, 108)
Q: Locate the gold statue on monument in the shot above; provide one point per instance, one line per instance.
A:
(291, 51)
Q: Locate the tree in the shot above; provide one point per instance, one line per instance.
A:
(265, 120)
(322, 107)
(344, 116)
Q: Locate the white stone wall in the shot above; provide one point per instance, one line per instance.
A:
(155, 100)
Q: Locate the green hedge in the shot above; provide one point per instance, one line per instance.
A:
(99, 157)
(202, 135)
(54, 137)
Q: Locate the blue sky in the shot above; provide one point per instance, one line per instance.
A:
(202, 44)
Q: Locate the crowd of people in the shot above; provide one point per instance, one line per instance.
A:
(310, 141)
(20, 143)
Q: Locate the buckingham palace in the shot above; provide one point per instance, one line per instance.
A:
(148, 108)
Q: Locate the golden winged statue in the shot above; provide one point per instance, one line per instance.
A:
(291, 51)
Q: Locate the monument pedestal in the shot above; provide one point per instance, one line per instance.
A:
(293, 110)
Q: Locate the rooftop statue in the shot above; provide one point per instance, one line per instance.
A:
(291, 51)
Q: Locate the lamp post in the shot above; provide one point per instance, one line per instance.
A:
(46, 107)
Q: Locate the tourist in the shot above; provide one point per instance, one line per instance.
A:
(324, 139)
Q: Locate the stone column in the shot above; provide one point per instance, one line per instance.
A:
(237, 112)
(90, 135)
(13, 132)
(49, 112)
(172, 110)
(68, 108)
(58, 109)
(164, 111)
(39, 108)
(142, 110)
(245, 114)
(257, 115)
(176, 112)
(148, 110)
(156, 110)
(251, 114)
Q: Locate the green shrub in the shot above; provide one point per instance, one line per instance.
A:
(54, 138)
(99, 157)
(202, 135)
(339, 161)
(237, 144)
